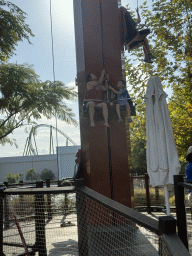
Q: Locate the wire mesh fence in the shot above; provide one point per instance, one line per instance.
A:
(72, 221)
(188, 218)
(156, 195)
(164, 250)
(47, 223)
(104, 232)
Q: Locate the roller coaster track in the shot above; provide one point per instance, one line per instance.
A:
(30, 150)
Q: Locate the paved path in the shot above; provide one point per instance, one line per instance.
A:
(102, 241)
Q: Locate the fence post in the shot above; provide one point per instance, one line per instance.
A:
(167, 225)
(180, 209)
(132, 186)
(81, 221)
(40, 243)
(1, 223)
(21, 197)
(49, 201)
(6, 209)
(147, 193)
(156, 196)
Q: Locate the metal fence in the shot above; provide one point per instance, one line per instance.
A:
(106, 227)
(103, 231)
(147, 198)
(79, 221)
(183, 210)
(39, 221)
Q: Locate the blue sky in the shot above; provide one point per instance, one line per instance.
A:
(39, 54)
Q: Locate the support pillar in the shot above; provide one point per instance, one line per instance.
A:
(97, 34)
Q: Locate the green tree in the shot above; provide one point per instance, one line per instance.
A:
(47, 174)
(171, 42)
(181, 115)
(138, 140)
(138, 153)
(12, 178)
(25, 99)
(13, 28)
(31, 175)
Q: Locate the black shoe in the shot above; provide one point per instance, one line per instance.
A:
(152, 56)
(148, 59)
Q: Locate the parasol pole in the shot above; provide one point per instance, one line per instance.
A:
(167, 200)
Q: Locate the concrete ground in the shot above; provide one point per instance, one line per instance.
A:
(62, 241)
(59, 240)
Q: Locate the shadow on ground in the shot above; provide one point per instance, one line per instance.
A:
(69, 247)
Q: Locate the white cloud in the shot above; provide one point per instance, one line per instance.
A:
(72, 85)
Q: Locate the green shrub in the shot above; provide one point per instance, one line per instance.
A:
(47, 174)
(172, 200)
(12, 178)
(140, 197)
(31, 175)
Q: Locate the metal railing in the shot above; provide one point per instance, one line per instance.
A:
(37, 220)
(183, 210)
(76, 220)
(106, 227)
(146, 198)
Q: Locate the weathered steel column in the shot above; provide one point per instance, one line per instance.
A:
(97, 34)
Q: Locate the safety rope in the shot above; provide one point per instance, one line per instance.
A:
(103, 50)
(108, 129)
(53, 61)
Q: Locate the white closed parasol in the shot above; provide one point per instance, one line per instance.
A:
(162, 156)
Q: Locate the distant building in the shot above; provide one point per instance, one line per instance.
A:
(21, 164)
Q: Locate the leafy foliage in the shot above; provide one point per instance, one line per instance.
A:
(13, 28)
(139, 160)
(138, 140)
(12, 178)
(47, 174)
(171, 42)
(31, 175)
(24, 99)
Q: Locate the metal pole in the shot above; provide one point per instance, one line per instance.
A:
(6, 210)
(147, 193)
(49, 201)
(1, 224)
(82, 225)
(180, 209)
(40, 243)
(167, 200)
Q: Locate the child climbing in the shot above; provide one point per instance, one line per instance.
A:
(131, 37)
(95, 96)
(122, 100)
